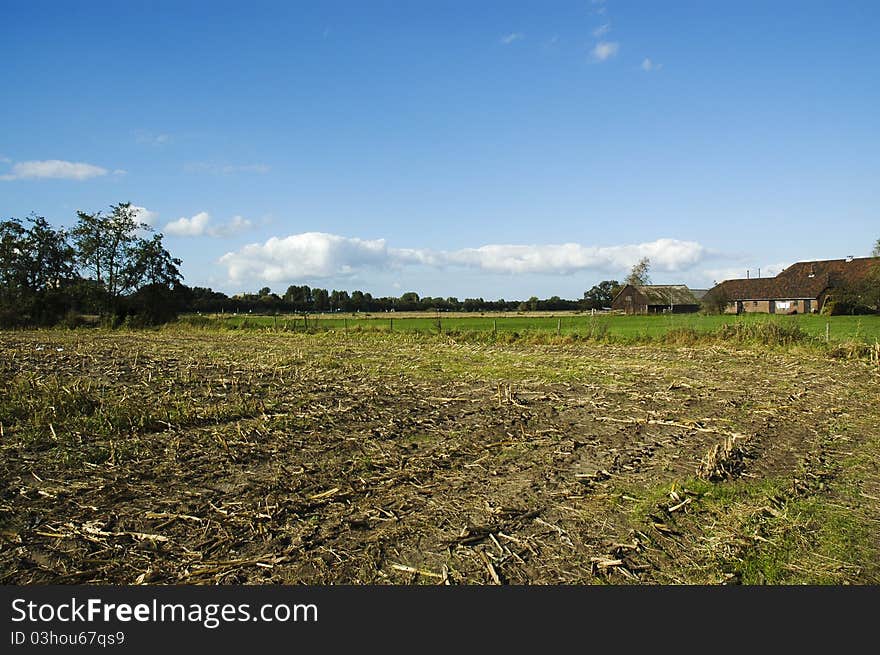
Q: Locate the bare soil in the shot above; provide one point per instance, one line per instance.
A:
(205, 458)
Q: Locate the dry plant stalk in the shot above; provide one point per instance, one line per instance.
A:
(724, 460)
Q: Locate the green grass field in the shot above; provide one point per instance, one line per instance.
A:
(839, 328)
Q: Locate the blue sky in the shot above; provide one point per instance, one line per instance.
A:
(494, 149)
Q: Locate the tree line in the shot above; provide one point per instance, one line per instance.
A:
(113, 266)
(302, 298)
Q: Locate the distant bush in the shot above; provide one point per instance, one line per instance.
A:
(770, 333)
(73, 320)
(684, 336)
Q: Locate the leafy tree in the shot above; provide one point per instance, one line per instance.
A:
(321, 300)
(639, 276)
(339, 300)
(716, 301)
(601, 294)
(154, 265)
(36, 268)
(876, 251)
(12, 263)
(300, 297)
(409, 301)
(862, 297)
(109, 247)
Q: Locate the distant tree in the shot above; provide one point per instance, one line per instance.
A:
(357, 301)
(408, 301)
(601, 294)
(876, 251)
(265, 291)
(862, 297)
(715, 301)
(639, 276)
(339, 301)
(321, 300)
(299, 297)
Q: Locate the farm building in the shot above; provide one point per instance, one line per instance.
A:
(655, 299)
(802, 288)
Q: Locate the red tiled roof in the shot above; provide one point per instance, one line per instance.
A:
(800, 280)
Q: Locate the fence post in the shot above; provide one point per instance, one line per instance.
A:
(391, 325)
(827, 331)
(345, 324)
(494, 326)
(558, 326)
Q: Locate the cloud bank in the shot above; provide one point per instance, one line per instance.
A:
(54, 169)
(202, 225)
(320, 255)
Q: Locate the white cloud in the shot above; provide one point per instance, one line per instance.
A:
(665, 254)
(648, 65)
(307, 255)
(225, 169)
(189, 227)
(144, 215)
(201, 225)
(513, 36)
(234, 226)
(602, 30)
(320, 255)
(152, 139)
(53, 169)
(605, 50)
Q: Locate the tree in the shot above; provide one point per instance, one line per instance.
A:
(358, 301)
(110, 247)
(601, 294)
(12, 263)
(339, 300)
(716, 301)
(36, 267)
(876, 251)
(299, 296)
(409, 301)
(321, 300)
(638, 276)
(154, 265)
(107, 246)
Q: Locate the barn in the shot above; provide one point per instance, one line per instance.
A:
(655, 299)
(802, 288)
